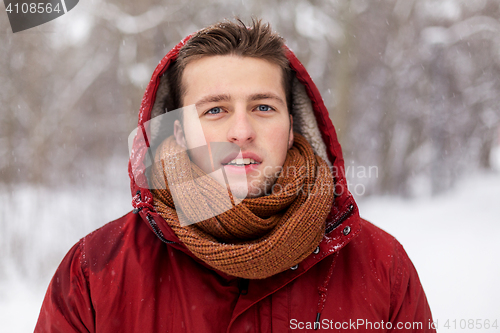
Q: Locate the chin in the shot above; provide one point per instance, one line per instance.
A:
(245, 191)
(241, 191)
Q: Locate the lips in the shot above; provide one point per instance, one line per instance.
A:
(243, 158)
(242, 161)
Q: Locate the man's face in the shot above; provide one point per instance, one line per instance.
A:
(240, 100)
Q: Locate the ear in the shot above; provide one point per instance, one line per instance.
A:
(290, 135)
(179, 134)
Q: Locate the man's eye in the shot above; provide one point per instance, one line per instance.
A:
(215, 110)
(264, 108)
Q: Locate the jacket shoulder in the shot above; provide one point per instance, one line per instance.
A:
(116, 239)
(113, 229)
(384, 254)
(370, 230)
(386, 260)
(86, 272)
(375, 243)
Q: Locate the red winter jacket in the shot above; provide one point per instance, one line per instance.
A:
(134, 275)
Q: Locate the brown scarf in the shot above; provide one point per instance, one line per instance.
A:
(261, 236)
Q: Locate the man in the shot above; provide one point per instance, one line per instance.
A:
(240, 222)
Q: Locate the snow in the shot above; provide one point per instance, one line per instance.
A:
(452, 240)
(38, 226)
(443, 9)
(20, 303)
(139, 74)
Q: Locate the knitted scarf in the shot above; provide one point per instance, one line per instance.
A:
(258, 237)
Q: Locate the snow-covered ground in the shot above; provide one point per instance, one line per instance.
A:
(452, 240)
(38, 226)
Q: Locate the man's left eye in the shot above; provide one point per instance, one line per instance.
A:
(264, 108)
(215, 110)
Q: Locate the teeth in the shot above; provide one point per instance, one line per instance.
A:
(241, 161)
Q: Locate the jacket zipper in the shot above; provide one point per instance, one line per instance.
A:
(340, 219)
(150, 219)
(157, 231)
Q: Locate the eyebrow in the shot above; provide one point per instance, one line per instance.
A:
(256, 97)
(213, 99)
(227, 98)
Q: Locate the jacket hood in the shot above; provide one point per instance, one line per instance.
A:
(310, 118)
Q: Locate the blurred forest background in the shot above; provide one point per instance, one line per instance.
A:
(412, 87)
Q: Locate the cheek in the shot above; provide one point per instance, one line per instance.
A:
(194, 136)
(195, 139)
(279, 143)
(193, 131)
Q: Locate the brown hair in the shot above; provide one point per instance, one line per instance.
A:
(229, 38)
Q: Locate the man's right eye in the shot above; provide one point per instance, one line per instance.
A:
(215, 110)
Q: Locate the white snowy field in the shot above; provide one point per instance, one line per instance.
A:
(38, 226)
(452, 240)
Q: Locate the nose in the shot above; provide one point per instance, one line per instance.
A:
(241, 130)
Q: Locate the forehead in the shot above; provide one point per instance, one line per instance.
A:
(231, 75)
